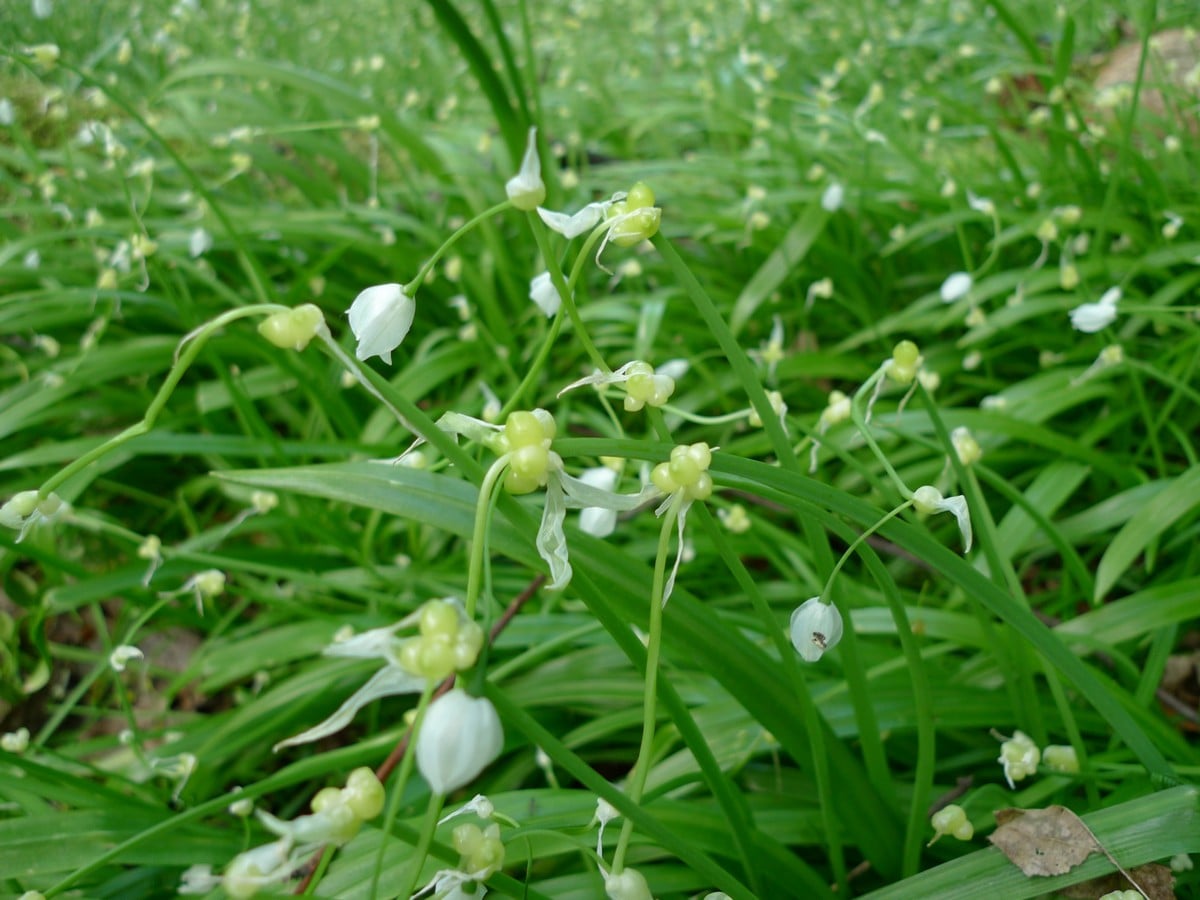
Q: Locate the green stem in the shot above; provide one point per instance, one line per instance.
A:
(860, 421)
(397, 790)
(564, 292)
(421, 852)
(698, 419)
(858, 543)
(410, 289)
(641, 767)
(535, 368)
(479, 534)
(189, 348)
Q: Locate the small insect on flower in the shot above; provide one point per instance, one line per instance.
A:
(816, 626)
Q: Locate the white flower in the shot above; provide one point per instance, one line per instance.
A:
(629, 885)
(543, 293)
(1061, 758)
(956, 287)
(15, 741)
(605, 813)
(1092, 317)
(627, 218)
(771, 353)
(380, 318)
(597, 520)
(460, 736)
(815, 627)
(199, 242)
(525, 189)
(929, 500)
(831, 200)
(258, 868)
(966, 448)
(8, 113)
(123, 655)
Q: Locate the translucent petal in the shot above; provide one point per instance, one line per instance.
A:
(571, 226)
(958, 506)
(580, 494)
(551, 541)
(680, 521)
(371, 644)
(387, 682)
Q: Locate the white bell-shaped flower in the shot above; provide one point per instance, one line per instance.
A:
(1092, 317)
(955, 287)
(629, 885)
(380, 318)
(460, 736)
(598, 521)
(815, 627)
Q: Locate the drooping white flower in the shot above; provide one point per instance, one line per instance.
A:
(545, 295)
(955, 287)
(525, 189)
(928, 500)
(1092, 317)
(831, 200)
(460, 736)
(816, 626)
(27, 509)
(123, 655)
(200, 241)
(380, 318)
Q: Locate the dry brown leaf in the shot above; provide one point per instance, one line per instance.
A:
(1155, 879)
(1050, 841)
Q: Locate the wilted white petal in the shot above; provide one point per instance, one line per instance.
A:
(380, 318)
(551, 541)
(372, 644)
(815, 627)
(123, 655)
(543, 293)
(955, 287)
(581, 494)
(387, 682)
(460, 736)
(1092, 317)
(929, 500)
(684, 504)
(571, 226)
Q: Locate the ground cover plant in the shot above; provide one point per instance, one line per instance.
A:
(581, 450)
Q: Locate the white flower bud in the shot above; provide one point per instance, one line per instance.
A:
(525, 189)
(380, 318)
(629, 885)
(460, 737)
(956, 287)
(543, 293)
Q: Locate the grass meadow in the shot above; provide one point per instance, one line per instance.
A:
(823, 481)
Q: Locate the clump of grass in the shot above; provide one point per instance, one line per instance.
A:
(830, 187)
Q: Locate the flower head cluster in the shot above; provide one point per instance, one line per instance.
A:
(684, 479)
(644, 385)
(627, 218)
(337, 815)
(447, 642)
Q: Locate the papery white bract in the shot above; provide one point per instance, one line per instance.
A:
(460, 736)
(815, 627)
(929, 500)
(380, 318)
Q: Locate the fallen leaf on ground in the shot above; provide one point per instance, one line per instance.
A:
(1050, 841)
